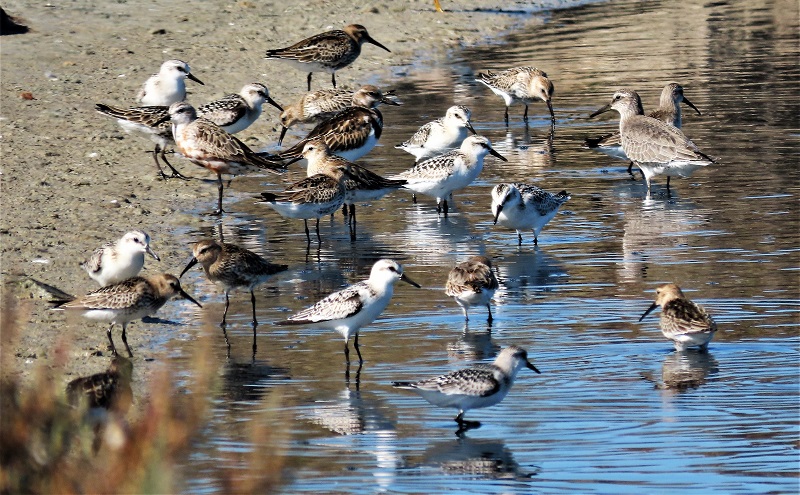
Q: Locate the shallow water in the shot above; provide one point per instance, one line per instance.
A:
(615, 409)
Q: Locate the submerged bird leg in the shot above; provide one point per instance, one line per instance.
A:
(319, 239)
(490, 318)
(446, 208)
(253, 301)
(355, 344)
(227, 342)
(347, 356)
(525, 115)
(630, 168)
(308, 235)
(309, 80)
(111, 340)
(413, 198)
(225, 313)
(125, 340)
(519, 238)
(535, 239)
(464, 424)
(506, 116)
(344, 210)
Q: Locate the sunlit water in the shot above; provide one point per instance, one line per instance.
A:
(615, 409)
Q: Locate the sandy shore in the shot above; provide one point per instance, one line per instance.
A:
(71, 179)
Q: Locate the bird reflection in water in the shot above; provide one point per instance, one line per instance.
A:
(484, 458)
(687, 370)
(473, 344)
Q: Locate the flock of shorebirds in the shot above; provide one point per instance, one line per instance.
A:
(449, 156)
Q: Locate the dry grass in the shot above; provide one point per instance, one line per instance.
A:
(48, 446)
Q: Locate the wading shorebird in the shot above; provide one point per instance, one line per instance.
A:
(520, 84)
(472, 283)
(481, 385)
(682, 321)
(669, 111)
(439, 176)
(326, 52)
(206, 144)
(356, 306)
(525, 207)
(351, 133)
(320, 105)
(232, 266)
(313, 197)
(126, 301)
(440, 136)
(656, 147)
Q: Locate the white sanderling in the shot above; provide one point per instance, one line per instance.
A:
(356, 306)
(320, 105)
(361, 185)
(520, 84)
(439, 176)
(313, 197)
(472, 283)
(669, 111)
(440, 136)
(524, 206)
(168, 86)
(113, 262)
(208, 145)
(232, 266)
(326, 52)
(237, 111)
(354, 131)
(656, 147)
(682, 321)
(481, 385)
(126, 301)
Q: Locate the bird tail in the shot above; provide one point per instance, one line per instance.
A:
(59, 297)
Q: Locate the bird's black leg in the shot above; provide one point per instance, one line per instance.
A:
(319, 239)
(355, 344)
(309, 80)
(333, 80)
(111, 340)
(125, 340)
(175, 173)
(308, 234)
(506, 116)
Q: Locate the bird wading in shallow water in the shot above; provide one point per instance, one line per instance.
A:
(481, 385)
(656, 147)
(356, 306)
(682, 321)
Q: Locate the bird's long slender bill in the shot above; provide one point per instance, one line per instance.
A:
(409, 281)
(192, 262)
(530, 366)
(188, 297)
(152, 253)
(369, 39)
(274, 103)
(649, 310)
(295, 159)
(283, 134)
(605, 109)
(552, 115)
(686, 100)
(497, 213)
(498, 155)
(389, 101)
(198, 81)
(469, 126)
